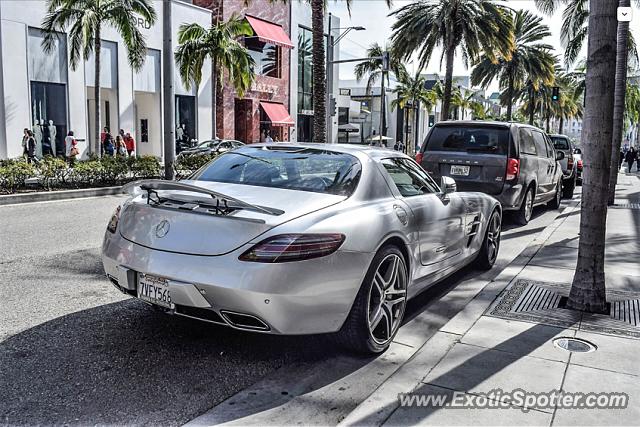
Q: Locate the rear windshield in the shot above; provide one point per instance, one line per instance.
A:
(560, 143)
(305, 169)
(485, 139)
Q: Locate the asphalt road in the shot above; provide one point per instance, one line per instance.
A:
(73, 350)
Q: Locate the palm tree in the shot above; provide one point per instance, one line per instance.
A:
(220, 44)
(467, 26)
(588, 286)
(372, 68)
(529, 60)
(411, 90)
(619, 107)
(85, 20)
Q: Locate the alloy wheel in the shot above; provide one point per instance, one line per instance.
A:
(528, 207)
(493, 237)
(387, 299)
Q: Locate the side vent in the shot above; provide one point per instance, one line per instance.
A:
(473, 229)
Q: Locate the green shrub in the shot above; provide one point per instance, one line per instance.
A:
(187, 165)
(86, 173)
(144, 167)
(13, 174)
(53, 170)
(114, 169)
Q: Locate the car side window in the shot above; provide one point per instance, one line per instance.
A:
(551, 152)
(541, 146)
(527, 145)
(409, 179)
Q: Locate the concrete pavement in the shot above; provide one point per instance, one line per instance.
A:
(477, 352)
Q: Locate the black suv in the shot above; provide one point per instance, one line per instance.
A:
(563, 143)
(515, 163)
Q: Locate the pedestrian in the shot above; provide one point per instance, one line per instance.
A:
(630, 158)
(130, 144)
(31, 146)
(268, 138)
(71, 149)
(121, 147)
(395, 146)
(621, 158)
(109, 148)
(25, 143)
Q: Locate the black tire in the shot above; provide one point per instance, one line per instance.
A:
(490, 244)
(355, 334)
(557, 197)
(568, 188)
(524, 214)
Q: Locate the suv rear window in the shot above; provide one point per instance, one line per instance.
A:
(560, 143)
(485, 139)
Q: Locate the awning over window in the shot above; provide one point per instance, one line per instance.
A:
(277, 113)
(268, 32)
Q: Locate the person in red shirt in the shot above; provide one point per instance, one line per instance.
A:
(130, 143)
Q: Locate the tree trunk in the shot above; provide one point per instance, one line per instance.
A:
(548, 123)
(561, 125)
(448, 83)
(319, 75)
(406, 127)
(96, 89)
(214, 95)
(619, 103)
(588, 286)
(417, 130)
(532, 102)
(510, 100)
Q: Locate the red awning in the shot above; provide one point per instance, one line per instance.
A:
(277, 113)
(268, 32)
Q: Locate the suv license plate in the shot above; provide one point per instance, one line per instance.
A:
(460, 170)
(154, 290)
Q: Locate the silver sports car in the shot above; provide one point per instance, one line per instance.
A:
(298, 239)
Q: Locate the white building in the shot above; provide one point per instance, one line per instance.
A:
(38, 87)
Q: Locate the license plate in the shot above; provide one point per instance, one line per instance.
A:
(459, 170)
(154, 290)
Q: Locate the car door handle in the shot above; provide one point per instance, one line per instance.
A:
(441, 249)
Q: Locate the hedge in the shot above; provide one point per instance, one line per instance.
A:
(54, 173)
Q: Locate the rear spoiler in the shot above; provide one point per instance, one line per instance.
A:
(154, 185)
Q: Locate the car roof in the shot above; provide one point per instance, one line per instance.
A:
(557, 135)
(486, 123)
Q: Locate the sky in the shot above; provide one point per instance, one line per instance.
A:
(373, 15)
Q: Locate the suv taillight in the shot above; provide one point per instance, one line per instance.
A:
(293, 247)
(419, 157)
(513, 169)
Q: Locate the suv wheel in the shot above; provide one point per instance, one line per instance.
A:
(523, 215)
(568, 187)
(557, 197)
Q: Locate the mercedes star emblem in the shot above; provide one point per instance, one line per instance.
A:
(162, 228)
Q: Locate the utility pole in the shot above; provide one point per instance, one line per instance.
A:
(385, 71)
(329, 68)
(168, 98)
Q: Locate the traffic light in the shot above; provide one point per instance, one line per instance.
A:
(555, 95)
(333, 106)
(385, 61)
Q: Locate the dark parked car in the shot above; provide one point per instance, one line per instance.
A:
(216, 146)
(514, 163)
(569, 178)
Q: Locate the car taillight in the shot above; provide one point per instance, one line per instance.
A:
(113, 222)
(419, 157)
(513, 169)
(570, 163)
(293, 247)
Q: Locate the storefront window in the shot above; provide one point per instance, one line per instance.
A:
(49, 117)
(185, 121)
(266, 57)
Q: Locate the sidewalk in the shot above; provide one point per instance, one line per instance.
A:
(503, 338)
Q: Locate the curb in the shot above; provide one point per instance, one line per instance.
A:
(383, 402)
(46, 196)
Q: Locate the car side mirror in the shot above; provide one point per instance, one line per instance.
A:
(559, 155)
(448, 185)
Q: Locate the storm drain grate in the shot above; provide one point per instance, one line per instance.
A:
(542, 303)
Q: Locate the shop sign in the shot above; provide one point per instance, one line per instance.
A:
(140, 22)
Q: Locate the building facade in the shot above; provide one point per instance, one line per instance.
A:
(264, 109)
(41, 92)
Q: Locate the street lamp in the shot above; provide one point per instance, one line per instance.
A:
(329, 68)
